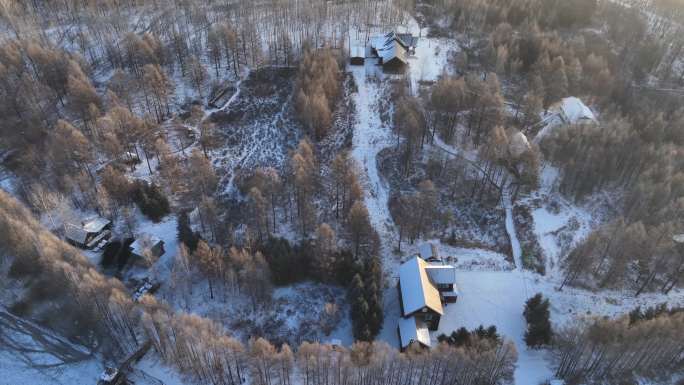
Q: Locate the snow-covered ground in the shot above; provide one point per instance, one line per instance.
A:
(151, 370)
(429, 62)
(33, 355)
(14, 371)
(558, 215)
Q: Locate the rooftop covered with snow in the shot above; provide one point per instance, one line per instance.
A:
(441, 274)
(392, 47)
(573, 111)
(75, 233)
(412, 329)
(570, 110)
(357, 51)
(417, 292)
(146, 242)
(428, 250)
(518, 144)
(95, 224)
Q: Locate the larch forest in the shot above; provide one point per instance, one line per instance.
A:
(341, 192)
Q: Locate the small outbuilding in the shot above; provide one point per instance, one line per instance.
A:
(357, 55)
(146, 247)
(568, 111)
(335, 343)
(428, 252)
(413, 331)
(110, 376)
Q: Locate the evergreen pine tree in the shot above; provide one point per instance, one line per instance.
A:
(185, 233)
(356, 297)
(373, 295)
(538, 325)
(359, 325)
(151, 200)
(460, 337)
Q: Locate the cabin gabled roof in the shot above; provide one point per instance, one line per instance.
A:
(574, 111)
(393, 51)
(391, 47)
(407, 39)
(417, 292)
(75, 233)
(95, 224)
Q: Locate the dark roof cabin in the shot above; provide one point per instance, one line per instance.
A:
(92, 232)
(111, 376)
(408, 41)
(392, 49)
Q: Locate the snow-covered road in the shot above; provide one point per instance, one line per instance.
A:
(370, 137)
